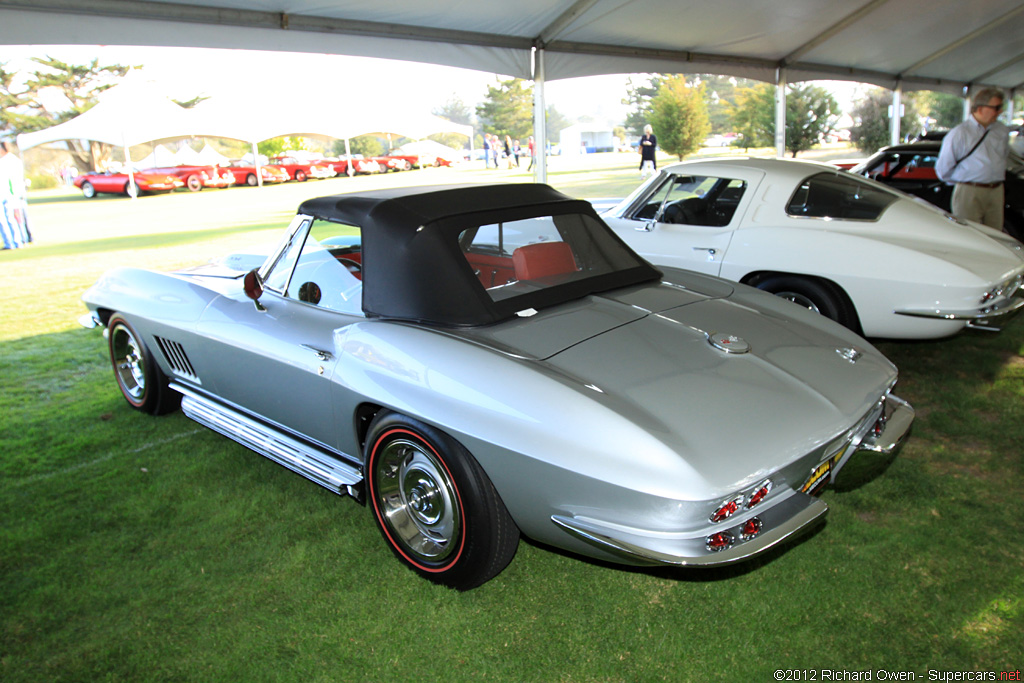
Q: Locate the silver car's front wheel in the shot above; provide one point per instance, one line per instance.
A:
(434, 505)
(138, 376)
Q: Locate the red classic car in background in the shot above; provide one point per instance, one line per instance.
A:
(110, 182)
(396, 163)
(198, 177)
(245, 173)
(360, 166)
(301, 170)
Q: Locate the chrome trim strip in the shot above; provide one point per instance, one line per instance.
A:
(975, 318)
(319, 467)
(796, 514)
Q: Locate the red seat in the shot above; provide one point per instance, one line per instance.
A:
(543, 259)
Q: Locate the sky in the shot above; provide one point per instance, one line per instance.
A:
(330, 80)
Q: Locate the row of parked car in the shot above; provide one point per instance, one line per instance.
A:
(279, 169)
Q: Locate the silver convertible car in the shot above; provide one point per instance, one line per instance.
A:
(482, 362)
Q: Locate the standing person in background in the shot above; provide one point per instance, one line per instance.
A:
(13, 200)
(532, 146)
(973, 157)
(487, 151)
(648, 146)
(508, 150)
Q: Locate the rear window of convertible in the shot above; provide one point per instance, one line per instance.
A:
(525, 256)
(831, 195)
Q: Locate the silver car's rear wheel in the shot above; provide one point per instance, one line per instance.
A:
(419, 500)
(434, 505)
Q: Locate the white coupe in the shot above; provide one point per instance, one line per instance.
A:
(874, 259)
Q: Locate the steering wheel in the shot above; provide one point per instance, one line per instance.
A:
(354, 267)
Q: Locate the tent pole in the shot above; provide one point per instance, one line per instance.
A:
(780, 112)
(348, 158)
(896, 114)
(256, 165)
(132, 192)
(540, 129)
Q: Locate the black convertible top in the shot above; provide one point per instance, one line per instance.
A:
(414, 269)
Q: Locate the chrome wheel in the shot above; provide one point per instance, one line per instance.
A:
(418, 500)
(129, 363)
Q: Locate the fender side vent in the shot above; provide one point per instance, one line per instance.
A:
(177, 359)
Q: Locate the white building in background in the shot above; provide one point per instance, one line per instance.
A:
(587, 138)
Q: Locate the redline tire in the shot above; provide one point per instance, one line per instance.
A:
(434, 505)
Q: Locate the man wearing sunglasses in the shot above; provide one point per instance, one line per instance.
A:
(973, 158)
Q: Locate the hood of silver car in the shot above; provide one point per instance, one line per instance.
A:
(537, 335)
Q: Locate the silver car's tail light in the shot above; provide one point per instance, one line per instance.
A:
(760, 493)
(752, 527)
(727, 509)
(721, 541)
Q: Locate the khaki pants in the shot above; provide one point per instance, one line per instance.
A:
(979, 204)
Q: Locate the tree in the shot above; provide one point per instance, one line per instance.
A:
(276, 146)
(721, 96)
(24, 110)
(871, 119)
(811, 114)
(679, 116)
(754, 115)
(456, 111)
(508, 109)
(555, 122)
(638, 96)
(947, 110)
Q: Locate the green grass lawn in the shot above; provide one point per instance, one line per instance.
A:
(150, 549)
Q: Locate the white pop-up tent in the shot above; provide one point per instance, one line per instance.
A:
(902, 45)
(134, 112)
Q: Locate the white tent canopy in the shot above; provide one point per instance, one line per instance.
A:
(126, 115)
(133, 113)
(940, 45)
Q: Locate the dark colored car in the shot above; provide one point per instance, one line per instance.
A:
(911, 169)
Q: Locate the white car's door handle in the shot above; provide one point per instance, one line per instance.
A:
(711, 251)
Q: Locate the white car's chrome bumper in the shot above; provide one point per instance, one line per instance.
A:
(988, 318)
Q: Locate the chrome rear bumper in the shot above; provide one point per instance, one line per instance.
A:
(989, 318)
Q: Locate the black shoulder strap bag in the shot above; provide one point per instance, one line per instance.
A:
(976, 146)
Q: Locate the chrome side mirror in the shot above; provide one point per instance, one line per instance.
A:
(647, 225)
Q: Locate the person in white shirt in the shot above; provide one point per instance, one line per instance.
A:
(973, 158)
(14, 230)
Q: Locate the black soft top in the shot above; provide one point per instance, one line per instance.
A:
(412, 264)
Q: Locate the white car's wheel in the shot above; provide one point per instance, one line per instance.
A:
(813, 294)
